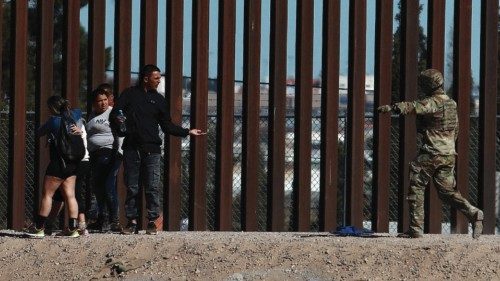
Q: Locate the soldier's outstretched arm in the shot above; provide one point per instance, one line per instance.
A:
(398, 108)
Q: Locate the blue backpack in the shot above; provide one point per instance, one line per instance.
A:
(352, 231)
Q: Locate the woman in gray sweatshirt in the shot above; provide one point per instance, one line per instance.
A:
(105, 160)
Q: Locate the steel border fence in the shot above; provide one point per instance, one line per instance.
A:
(262, 201)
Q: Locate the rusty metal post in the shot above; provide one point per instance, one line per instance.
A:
(435, 59)
(96, 62)
(147, 55)
(436, 27)
(149, 32)
(71, 53)
(487, 112)
(96, 51)
(277, 111)
(251, 121)
(123, 36)
(408, 92)
(382, 122)
(225, 116)
(17, 115)
(329, 116)
(356, 113)
(199, 108)
(303, 108)
(173, 86)
(121, 75)
(44, 85)
(461, 93)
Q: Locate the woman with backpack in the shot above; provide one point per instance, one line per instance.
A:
(82, 188)
(62, 168)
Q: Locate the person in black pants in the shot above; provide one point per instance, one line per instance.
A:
(106, 158)
(144, 111)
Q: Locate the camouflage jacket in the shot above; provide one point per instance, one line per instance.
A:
(437, 122)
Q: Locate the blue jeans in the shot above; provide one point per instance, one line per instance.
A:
(105, 166)
(142, 167)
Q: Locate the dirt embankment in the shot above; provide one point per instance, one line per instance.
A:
(249, 256)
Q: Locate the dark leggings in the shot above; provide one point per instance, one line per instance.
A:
(105, 166)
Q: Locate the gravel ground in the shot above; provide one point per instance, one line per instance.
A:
(249, 256)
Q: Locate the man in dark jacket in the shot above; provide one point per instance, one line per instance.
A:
(144, 110)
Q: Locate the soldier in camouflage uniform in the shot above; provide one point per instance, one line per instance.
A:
(438, 124)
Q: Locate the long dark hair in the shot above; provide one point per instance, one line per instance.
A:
(58, 104)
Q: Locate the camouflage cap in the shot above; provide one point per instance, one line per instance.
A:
(430, 80)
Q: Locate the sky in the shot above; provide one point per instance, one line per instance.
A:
(265, 25)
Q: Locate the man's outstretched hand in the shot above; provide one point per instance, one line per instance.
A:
(197, 132)
(384, 108)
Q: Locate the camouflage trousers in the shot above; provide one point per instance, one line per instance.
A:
(441, 169)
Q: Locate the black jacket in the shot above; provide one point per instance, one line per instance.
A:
(144, 112)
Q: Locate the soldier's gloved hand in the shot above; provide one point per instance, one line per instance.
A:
(384, 108)
(397, 107)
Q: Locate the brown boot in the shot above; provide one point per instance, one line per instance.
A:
(477, 224)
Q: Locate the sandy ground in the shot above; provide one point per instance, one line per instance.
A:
(248, 256)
